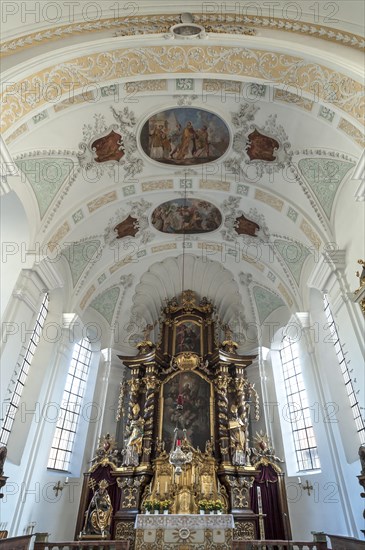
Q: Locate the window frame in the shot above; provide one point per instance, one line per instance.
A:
(302, 430)
(346, 375)
(24, 366)
(64, 436)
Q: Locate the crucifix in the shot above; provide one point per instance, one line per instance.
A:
(57, 488)
(307, 487)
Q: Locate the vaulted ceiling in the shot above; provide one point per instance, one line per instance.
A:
(282, 102)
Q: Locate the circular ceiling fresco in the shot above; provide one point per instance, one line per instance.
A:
(184, 136)
(186, 216)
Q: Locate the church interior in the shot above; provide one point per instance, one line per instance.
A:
(182, 275)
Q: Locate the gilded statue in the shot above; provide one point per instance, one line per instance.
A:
(238, 426)
(361, 276)
(99, 514)
(133, 445)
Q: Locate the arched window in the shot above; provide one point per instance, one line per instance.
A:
(298, 408)
(359, 422)
(64, 437)
(21, 372)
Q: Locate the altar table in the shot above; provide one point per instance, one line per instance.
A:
(184, 531)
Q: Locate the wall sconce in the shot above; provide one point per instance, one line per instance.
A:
(59, 486)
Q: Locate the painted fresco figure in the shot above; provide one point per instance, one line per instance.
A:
(175, 138)
(187, 147)
(202, 143)
(157, 143)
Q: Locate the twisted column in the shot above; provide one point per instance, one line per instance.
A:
(221, 388)
(152, 384)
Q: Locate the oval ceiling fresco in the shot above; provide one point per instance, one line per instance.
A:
(184, 136)
(186, 216)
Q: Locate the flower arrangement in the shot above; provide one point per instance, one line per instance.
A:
(165, 504)
(203, 504)
(217, 505)
(152, 504)
(210, 505)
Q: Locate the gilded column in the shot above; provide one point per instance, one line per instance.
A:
(152, 384)
(221, 387)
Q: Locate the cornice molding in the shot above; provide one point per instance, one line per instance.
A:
(157, 24)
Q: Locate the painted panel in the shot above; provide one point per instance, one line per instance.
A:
(184, 136)
(187, 216)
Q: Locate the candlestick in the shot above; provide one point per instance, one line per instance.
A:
(259, 500)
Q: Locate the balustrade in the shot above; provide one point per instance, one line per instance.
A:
(278, 545)
(16, 543)
(83, 545)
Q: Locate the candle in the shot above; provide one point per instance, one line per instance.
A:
(178, 443)
(259, 502)
(66, 480)
(180, 399)
(165, 486)
(158, 486)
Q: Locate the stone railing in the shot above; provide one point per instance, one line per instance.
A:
(346, 543)
(278, 545)
(83, 545)
(16, 543)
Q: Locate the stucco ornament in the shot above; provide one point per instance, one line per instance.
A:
(89, 155)
(266, 149)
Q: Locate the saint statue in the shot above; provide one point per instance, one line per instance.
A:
(133, 445)
(98, 516)
(237, 427)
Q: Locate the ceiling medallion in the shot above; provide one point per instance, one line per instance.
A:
(186, 216)
(184, 136)
(185, 31)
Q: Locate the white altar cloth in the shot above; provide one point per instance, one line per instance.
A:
(179, 521)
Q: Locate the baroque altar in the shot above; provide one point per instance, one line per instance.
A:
(186, 436)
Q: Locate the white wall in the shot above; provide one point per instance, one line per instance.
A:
(334, 505)
(14, 236)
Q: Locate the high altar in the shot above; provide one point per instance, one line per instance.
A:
(188, 443)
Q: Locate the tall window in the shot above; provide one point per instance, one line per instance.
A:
(359, 422)
(64, 437)
(21, 372)
(298, 410)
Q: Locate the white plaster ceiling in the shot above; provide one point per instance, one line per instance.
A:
(72, 211)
